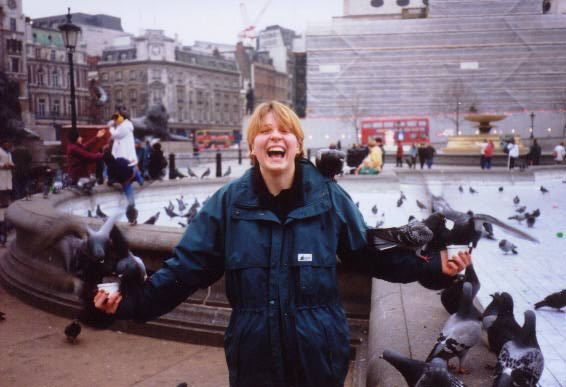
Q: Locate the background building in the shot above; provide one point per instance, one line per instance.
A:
(199, 91)
(405, 60)
(48, 83)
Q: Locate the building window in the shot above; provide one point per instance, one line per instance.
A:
(13, 25)
(132, 75)
(56, 107)
(118, 95)
(15, 65)
(133, 95)
(38, 53)
(41, 107)
(118, 75)
(180, 114)
(53, 58)
(55, 79)
(104, 76)
(180, 94)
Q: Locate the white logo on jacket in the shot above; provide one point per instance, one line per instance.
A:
(301, 257)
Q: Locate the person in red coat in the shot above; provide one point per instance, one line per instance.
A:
(79, 156)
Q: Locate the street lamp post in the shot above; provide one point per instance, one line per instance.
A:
(458, 103)
(532, 125)
(70, 33)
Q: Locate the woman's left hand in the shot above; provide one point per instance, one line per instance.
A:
(455, 264)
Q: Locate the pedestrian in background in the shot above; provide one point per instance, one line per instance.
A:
(513, 153)
(413, 154)
(558, 153)
(123, 143)
(422, 154)
(488, 155)
(533, 158)
(399, 155)
(79, 155)
(6, 167)
(430, 154)
(157, 162)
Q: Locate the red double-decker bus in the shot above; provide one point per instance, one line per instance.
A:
(393, 130)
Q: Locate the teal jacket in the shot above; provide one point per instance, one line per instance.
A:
(287, 326)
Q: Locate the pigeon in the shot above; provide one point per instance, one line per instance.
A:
(461, 189)
(132, 214)
(519, 217)
(152, 219)
(228, 171)
(543, 190)
(468, 226)
(72, 331)
(379, 223)
(131, 271)
(516, 200)
(461, 332)
(487, 231)
(412, 236)
(418, 373)
(555, 300)
(330, 162)
(177, 174)
(411, 219)
(490, 313)
(507, 246)
(399, 202)
(374, 209)
(473, 191)
(536, 213)
(2, 316)
(191, 173)
(504, 327)
(520, 362)
(205, 173)
(451, 296)
(500, 189)
(531, 220)
(98, 241)
(421, 206)
(181, 204)
(170, 206)
(521, 209)
(403, 196)
(99, 213)
(89, 214)
(170, 212)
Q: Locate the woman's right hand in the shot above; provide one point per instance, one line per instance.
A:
(106, 303)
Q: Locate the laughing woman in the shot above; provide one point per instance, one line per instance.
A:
(275, 233)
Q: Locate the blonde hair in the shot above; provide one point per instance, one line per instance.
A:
(285, 117)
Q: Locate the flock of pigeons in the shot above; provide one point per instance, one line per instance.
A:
(520, 359)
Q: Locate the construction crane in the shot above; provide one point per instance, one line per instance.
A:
(248, 34)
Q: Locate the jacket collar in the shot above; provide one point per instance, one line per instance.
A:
(316, 198)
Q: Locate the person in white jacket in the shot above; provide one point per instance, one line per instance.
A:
(122, 134)
(513, 153)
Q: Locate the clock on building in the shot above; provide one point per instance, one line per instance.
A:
(12, 4)
(155, 50)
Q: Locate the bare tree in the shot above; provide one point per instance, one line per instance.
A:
(355, 111)
(456, 100)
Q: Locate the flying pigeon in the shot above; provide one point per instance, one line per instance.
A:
(451, 296)
(520, 362)
(516, 200)
(420, 205)
(412, 236)
(99, 213)
(418, 373)
(504, 327)
(543, 190)
(131, 271)
(89, 214)
(205, 173)
(473, 191)
(98, 241)
(468, 226)
(461, 332)
(461, 189)
(132, 214)
(330, 162)
(555, 300)
(374, 209)
(191, 173)
(507, 246)
(500, 189)
(228, 171)
(181, 204)
(72, 331)
(170, 206)
(152, 219)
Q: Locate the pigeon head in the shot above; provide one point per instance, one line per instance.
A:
(529, 334)
(466, 300)
(506, 303)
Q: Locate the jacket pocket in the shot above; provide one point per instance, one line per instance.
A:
(315, 278)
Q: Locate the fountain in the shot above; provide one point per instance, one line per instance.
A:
(470, 144)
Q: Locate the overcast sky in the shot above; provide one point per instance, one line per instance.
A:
(210, 20)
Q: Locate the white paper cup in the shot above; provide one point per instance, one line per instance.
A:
(109, 287)
(454, 249)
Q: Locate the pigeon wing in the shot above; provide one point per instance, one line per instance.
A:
(481, 218)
